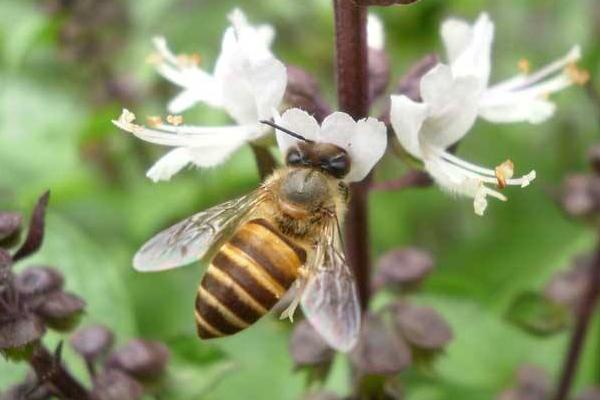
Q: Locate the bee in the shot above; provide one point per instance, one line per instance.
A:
(284, 236)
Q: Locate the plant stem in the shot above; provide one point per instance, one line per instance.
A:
(584, 317)
(49, 371)
(353, 97)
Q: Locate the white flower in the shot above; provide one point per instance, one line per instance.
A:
(247, 83)
(446, 114)
(521, 98)
(454, 96)
(364, 140)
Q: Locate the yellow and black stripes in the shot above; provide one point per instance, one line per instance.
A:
(245, 279)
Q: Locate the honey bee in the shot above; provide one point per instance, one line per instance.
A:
(283, 236)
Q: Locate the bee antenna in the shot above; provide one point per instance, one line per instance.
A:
(284, 130)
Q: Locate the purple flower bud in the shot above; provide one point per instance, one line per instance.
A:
(403, 267)
(10, 226)
(142, 359)
(567, 287)
(379, 73)
(580, 195)
(5, 262)
(302, 91)
(533, 383)
(379, 351)
(92, 342)
(35, 281)
(18, 334)
(422, 327)
(592, 393)
(35, 234)
(60, 310)
(307, 347)
(30, 389)
(115, 385)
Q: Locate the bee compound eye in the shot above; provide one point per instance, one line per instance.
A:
(294, 157)
(338, 165)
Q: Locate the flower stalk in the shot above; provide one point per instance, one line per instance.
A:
(353, 96)
(584, 317)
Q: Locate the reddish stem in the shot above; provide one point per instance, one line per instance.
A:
(412, 179)
(353, 97)
(584, 317)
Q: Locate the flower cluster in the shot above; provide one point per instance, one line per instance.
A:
(249, 83)
(34, 301)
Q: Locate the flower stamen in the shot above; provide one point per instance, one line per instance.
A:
(154, 121)
(175, 120)
(524, 66)
(577, 75)
(504, 172)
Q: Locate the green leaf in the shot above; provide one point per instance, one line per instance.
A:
(538, 315)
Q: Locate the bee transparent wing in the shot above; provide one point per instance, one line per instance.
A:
(330, 298)
(190, 239)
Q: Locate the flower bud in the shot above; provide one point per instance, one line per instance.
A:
(92, 341)
(580, 195)
(422, 327)
(35, 281)
(567, 287)
(142, 359)
(30, 389)
(404, 268)
(379, 351)
(302, 91)
(61, 310)
(18, 334)
(379, 73)
(10, 227)
(115, 385)
(308, 347)
(5, 262)
(532, 384)
(592, 393)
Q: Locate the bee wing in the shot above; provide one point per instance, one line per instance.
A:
(190, 239)
(330, 299)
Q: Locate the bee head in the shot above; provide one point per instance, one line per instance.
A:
(325, 157)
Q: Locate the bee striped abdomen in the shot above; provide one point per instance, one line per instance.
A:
(245, 279)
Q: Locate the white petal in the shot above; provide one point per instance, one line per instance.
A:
(298, 121)
(367, 146)
(169, 164)
(365, 141)
(183, 101)
(407, 118)
(177, 159)
(375, 32)
(534, 111)
(453, 105)
(475, 59)
(456, 35)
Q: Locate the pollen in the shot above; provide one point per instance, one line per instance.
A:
(189, 60)
(577, 75)
(524, 66)
(154, 121)
(175, 120)
(504, 172)
(154, 58)
(126, 117)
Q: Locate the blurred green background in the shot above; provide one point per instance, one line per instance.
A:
(63, 77)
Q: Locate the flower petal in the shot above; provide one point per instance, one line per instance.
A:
(298, 121)
(375, 32)
(453, 105)
(475, 58)
(199, 85)
(177, 159)
(365, 141)
(534, 111)
(366, 148)
(407, 117)
(456, 34)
